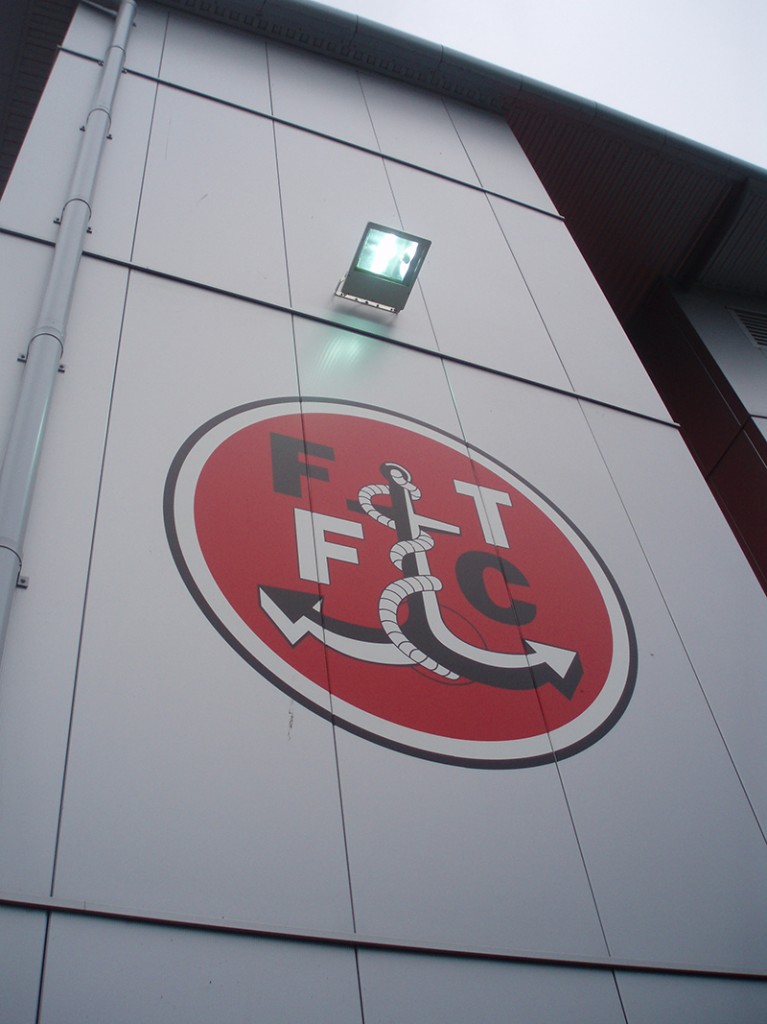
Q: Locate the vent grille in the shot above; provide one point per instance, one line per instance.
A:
(755, 326)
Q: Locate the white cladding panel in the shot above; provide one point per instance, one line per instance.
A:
(441, 990)
(124, 973)
(444, 854)
(477, 299)
(22, 938)
(659, 999)
(497, 158)
(38, 668)
(415, 126)
(218, 62)
(229, 802)
(39, 187)
(596, 354)
(646, 794)
(698, 566)
(351, 368)
(210, 209)
(320, 95)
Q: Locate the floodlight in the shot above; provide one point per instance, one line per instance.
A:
(384, 268)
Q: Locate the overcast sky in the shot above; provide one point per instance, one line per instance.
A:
(696, 67)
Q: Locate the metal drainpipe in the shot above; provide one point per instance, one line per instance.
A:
(46, 346)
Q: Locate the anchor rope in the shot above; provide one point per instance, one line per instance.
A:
(395, 593)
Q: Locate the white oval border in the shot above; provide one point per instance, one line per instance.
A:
(564, 741)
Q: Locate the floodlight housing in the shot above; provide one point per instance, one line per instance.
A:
(384, 268)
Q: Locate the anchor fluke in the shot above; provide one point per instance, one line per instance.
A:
(555, 665)
(286, 608)
(297, 614)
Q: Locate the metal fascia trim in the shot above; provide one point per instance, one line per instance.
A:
(50, 904)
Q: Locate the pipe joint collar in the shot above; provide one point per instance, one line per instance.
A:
(101, 108)
(11, 545)
(77, 199)
(49, 331)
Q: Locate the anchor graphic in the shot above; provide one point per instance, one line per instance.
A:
(298, 614)
(423, 638)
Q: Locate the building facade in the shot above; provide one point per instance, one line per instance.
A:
(372, 667)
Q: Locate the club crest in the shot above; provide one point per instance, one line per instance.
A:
(399, 582)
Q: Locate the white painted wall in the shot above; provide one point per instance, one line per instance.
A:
(146, 765)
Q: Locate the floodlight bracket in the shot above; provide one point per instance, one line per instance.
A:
(341, 294)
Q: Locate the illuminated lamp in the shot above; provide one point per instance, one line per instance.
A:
(384, 268)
